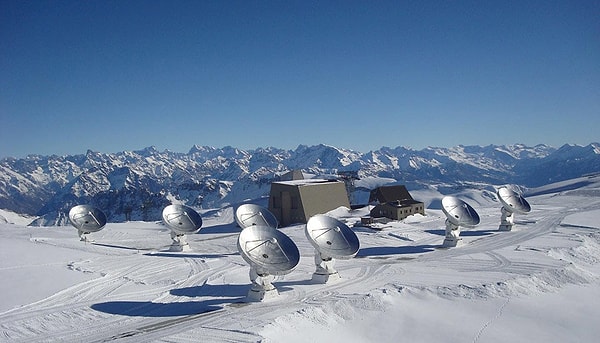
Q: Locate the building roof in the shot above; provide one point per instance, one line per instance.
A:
(305, 182)
(386, 194)
(292, 175)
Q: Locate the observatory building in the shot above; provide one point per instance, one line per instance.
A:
(296, 201)
(394, 202)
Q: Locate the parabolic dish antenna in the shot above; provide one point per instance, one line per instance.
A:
(458, 213)
(331, 239)
(512, 202)
(252, 214)
(181, 220)
(86, 219)
(268, 252)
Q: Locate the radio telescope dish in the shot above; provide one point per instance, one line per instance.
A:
(331, 239)
(181, 220)
(252, 214)
(512, 202)
(458, 213)
(268, 252)
(86, 219)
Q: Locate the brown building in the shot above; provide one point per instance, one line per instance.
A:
(297, 200)
(394, 202)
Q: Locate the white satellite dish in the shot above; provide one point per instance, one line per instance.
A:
(331, 239)
(86, 219)
(458, 213)
(252, 214)
(512, 202)
(182, 220)
(268, 252)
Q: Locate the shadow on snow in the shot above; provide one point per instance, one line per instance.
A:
(384, 251)
(473, 233)
(151, 309)
(222, 228)
(188, 255)
(229, 291)
(227, 294)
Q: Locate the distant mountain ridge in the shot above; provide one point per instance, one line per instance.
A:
(136, 185)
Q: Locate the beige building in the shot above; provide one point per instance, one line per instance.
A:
(394, 202)
(296, 201)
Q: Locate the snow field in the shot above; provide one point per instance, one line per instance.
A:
(539, 282)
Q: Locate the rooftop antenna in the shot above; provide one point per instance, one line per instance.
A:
(86, 219)
(251, 214)
(182, 220)
(458, 213)
(331, 239)
(269, 252)
(512, 202)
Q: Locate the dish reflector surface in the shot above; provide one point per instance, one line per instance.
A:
(331, 237)
(86, 218)
(269, 251)
(512, 201)
(181, 219)
(459, 212)
(251, 214)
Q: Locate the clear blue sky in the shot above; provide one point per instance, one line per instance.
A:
(123, 75)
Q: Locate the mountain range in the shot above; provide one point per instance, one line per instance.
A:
(136, 185)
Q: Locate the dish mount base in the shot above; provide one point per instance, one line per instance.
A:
(506, 220)
(452, 235)
(325, 278)
(262, 289)
(451, 242)
(83, 236)
(180, 243)
(325, 270)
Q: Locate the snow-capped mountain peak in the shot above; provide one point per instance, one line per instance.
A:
(137, 184)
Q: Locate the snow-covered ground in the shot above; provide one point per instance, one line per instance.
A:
(537, 283)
